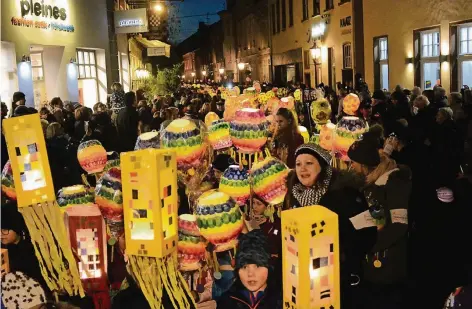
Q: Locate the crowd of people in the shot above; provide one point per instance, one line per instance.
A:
(409, 172)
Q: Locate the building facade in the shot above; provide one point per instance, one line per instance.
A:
(246, 40)
(55, 48)
(316, 41)
(418, 43)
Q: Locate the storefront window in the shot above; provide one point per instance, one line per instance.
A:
(87, 64)
(430, 44)
(430, 66)
(37, 66)
(465, 55)
(465, 39)
(381, 63)
(347, 60)
(88, 83)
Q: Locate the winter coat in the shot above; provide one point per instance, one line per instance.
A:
(344, 198)
(127, 128)
(386, 263)
(65, 168)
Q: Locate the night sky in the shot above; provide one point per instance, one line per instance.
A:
(189, 25)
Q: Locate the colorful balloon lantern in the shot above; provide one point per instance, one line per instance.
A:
(321, 111)
(219, 219)
(269, 180)
(109, 198)
(92, 156)
(250, 90)
(304, 133)
(326, 138)
(148, 140)
(8, 185)
(74, 196)
(191, 247)
(348, 130)
(218, 135)
(249, 130)
(351, 103)
(185, 137)
(210, 117)
(235, 183)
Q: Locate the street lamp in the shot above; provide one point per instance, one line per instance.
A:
(193, 76)
(241, 66)
(222, 71)
(315, 53)
(158, 8)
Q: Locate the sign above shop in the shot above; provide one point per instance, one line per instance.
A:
(131, 21)
(44, 14)
(156, 51)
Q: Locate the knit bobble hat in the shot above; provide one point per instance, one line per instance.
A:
(316, 151)
(365, 152)
(20, 291)
(252, 249)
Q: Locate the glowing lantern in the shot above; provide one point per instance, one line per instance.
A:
(321, 111)
(185, 138)
(326, 138)
(74, 196)
(257, 86)
(219, 219)
(5, 269)
(269, 179)
(149, 179)
(8, 184)
(92, 156)
(297, 95)
(236, 90)
(310, 257)
(348, 130)
(218, 135)
(109, 198)
(304, 133)
(191, 246)
(37, 203)
(148, 140)
(231, 106)
(351, 103)
(210, 117)
(272, 103)
(249, 130)
(235, 183)
(88, 240)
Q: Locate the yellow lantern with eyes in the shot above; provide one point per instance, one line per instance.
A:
(149, 180)
(37, 203)
(310, 254)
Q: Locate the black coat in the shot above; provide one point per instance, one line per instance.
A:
(127, 128)
(65, 168)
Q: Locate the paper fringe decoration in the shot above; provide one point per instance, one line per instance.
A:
(156, 274)
(44, 223)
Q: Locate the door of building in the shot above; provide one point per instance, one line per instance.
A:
(308, 79)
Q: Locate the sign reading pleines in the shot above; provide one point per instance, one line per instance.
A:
(45, 14)
(131, 21)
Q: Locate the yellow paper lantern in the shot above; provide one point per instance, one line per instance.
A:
(327, 136)
(149, 180)
(320, 111)
(351, 103)
(310, 258)
(210, 117)
(304, 133)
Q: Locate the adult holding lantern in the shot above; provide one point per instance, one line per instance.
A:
(314, 182)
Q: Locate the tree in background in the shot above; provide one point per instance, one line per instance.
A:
(165, 82)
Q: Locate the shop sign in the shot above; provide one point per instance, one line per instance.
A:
(156, 51)
(46, 15)
(131, 21)
(345, 22)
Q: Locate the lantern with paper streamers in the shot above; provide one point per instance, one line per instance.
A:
(191, 247)
(320, 111)
(219, 219)
(74, 196)
(304, 133)
(235, 183)
(219, 136)
(310, 258)
(269, 180)
(326, 138)
(348, 130)
(249, 130)
(8, 185)
(351, 103)
(210, 117)
(92, 156)
(109, 198)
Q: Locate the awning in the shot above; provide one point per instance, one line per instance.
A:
(154, 47)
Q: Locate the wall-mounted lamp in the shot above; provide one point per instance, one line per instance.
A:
(193, 74)
(443, 58)
(241, 66)
(204, 73)
(409, 60)
(221, 70)
(316, 53)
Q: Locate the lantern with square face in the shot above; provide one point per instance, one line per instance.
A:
(37, 203)
(5, 262)
(310, 248)
(149, 181)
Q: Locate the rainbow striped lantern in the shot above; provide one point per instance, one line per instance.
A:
(235, 183)
(348, 130)
(249, 130)
(218, 135)
(8, 186)
(185, 138)
(351, 103)
(191, 247)
(219, 219)
(269, 180)
(74, 196)
(109, 198)
(92, 156)
(210, 117)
